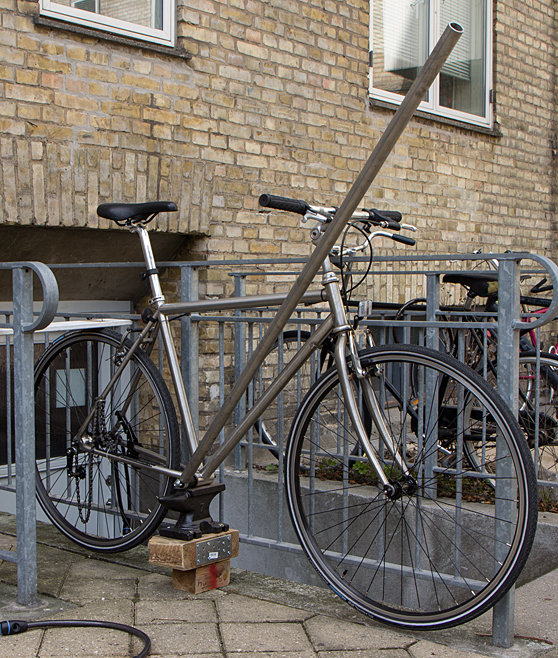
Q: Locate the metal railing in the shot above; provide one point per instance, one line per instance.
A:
(23, 327)
(217, 346)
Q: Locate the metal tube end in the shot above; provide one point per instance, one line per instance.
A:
(456, 27)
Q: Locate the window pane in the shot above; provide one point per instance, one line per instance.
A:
(141, 12)
(463, 79)
(399, 43)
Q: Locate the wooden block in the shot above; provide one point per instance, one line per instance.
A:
(185, 555)
(202, 579)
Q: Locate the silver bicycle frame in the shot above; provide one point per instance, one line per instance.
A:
(336, 322)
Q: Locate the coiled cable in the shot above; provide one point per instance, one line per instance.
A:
(18, 626)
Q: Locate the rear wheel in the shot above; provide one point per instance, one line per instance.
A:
(99, 502)
(272, 428)
(451, 541)
(538, 417)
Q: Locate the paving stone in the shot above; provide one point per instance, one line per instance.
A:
(86, 589)
(81, 642)
(278, 654)
(182, 639)
(52, 569)
(120, 611)
(327, 635)
(264, 637)
(7, 543)
(21, 646)
(367, 653)
(242, 608)
(426, 649)
(161, 612)
(103, 570)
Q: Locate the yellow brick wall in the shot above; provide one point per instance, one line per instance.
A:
(275, 100)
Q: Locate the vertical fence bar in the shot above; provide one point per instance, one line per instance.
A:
(239, 363)
(508, 376)
(24, 414)
(189, 347)
(432, 387)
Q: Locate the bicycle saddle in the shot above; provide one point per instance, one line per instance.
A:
(138, 212)
(481, 284)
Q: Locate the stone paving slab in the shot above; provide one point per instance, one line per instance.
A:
(235, 608)
(82, 642)
(21, 646)
(347, 636)
(180, 639)
(189, 611)
(369, 653)
(264, 637)
(254, 617)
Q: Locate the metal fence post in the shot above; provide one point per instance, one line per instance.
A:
(189, 346)
(240, 347)
(24, 413)
(508, 376)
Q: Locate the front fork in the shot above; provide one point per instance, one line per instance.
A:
(346, 340)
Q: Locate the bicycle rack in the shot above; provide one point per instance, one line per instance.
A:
(24, 415)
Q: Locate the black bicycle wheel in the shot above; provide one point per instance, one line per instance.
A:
(449, 543)
(98, 502)
(538, 417)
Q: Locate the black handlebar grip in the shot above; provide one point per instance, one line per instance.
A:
(404, 239)
(283, 203)
(392, 214)
(385, 219)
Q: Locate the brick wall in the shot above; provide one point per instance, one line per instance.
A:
(274, 99)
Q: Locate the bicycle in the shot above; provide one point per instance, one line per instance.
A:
(395, 532)
(538, 371)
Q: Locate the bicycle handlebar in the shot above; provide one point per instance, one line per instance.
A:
(284, 203)
(385, 218)
(403, 239)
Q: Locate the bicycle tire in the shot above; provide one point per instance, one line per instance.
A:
(538, 415)
(97, 502)
(427, 559)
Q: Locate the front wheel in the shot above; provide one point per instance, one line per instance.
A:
(100, 502)
(451, 541)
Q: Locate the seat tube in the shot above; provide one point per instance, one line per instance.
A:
(158, 300)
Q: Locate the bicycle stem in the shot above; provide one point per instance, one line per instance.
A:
(369, 172)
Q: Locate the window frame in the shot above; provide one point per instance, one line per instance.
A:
(432, 105)
(163, 37)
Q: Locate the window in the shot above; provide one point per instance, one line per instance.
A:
(149, 20)
(402, 34)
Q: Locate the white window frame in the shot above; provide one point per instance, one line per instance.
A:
(432, 106)
(164, 37)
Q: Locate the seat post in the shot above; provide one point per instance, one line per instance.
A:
(152, 271)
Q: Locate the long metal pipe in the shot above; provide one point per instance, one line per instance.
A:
(383, 148)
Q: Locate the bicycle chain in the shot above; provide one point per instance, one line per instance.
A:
(99, 432)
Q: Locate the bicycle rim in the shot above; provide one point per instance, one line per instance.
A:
(451, 544)
(100, 503)
(538, 417)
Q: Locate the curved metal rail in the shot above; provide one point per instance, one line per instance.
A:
(24, 414)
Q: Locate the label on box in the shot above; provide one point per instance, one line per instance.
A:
(211, 550)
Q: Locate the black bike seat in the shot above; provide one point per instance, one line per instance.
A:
(481, 284)
(120, 212)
